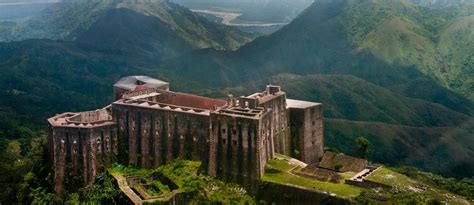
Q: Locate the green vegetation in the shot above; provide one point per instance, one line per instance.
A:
(408, 190)
(381, 75)
(363, 147)
(280, 174)
(386, 176)
(190, 178)
(438, 42)
(404, 189)
(464, 187)
(26, 177)
(158, 29)
(401, 130)
(399, 96)
(278, 11)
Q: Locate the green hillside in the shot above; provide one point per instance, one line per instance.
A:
(346, 37)
(338, 44)
(400, 32)
(401, 130)
(440, 3)
(438, 149)
(158, 28)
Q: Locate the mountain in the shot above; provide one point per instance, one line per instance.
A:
(440, 3)
(21, 10)
(121, 26)
(348, 37)
(268, 11)
(398, 48)
(333, 53)
(401, 130)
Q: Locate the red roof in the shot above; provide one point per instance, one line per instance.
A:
(194, 101)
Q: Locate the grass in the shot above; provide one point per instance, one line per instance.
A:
(386, 176)
(187, 175)
(283, 176)
(405, 188)
(348, 175)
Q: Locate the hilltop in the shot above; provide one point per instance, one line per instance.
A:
(394, 48)
(151, 28)
(367, 89)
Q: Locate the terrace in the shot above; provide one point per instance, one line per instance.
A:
(283, 170)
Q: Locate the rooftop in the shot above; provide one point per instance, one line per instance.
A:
(87, 119)
(251, 113)
(300, 104)
(270, 93)
(161, 106)
(193, 101)
(131, 82)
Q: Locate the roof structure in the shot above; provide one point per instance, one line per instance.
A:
(300, 104)
(89, 119)
(249, 113)
(161, 106)
(193, 101)
(131, 82)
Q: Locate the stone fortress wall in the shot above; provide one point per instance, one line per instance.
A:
(78, 148)
(148, 126)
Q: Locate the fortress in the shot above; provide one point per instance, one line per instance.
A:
(148, 125)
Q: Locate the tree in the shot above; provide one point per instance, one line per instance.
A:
(363, 147)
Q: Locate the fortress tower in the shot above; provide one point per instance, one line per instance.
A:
(148, 126)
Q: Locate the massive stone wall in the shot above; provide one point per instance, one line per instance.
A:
(79, 152)
(152, 126)
(307, 137)
(240, 147)
(150, 137)
(275, 99)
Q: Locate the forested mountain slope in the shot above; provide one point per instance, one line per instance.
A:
(383, 69)
(159, 28)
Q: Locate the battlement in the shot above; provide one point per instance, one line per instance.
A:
(148, 126)
(161, 106)
(141, 93)
(193, 101)
(88, 119)
(253, 113)
(270, 93)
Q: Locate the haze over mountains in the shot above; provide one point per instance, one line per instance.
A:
(276, 11)
(179, 29)
(390, 70)
(440, 3)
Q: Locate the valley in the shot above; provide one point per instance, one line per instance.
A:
(229, 17)
(398, 73)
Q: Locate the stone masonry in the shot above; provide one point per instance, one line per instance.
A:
(148, 126)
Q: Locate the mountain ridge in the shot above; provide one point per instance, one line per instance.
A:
(87, 23)
(354, 85)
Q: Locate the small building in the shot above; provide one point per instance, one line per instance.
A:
(133, 83)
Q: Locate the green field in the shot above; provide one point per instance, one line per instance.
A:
(404, 189)
(285, 177)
